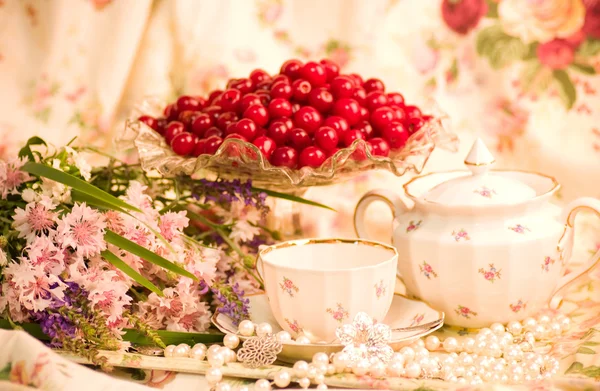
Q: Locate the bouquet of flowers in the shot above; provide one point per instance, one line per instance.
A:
(88, 252)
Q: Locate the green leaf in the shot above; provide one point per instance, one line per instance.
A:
(529, 73)
(26, 150)
(590, 47)
(583, 68)
(492, 9)
(500, 48)
(76, 184)
(591, 371)
(5, 372)
(566, 89)
(583, 350)
(289, 197)
(145, 254)
(590, 343)
(574, 368)
(125, 268)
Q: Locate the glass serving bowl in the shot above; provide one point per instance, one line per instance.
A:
(237, 159)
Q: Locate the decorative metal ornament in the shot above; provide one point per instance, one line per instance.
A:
(257, 352)
(365, 339)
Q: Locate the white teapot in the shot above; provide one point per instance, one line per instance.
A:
(483, 246)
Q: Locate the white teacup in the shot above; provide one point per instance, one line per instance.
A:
(316, 285)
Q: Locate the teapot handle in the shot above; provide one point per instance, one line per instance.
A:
(565, 247)
(390, 198)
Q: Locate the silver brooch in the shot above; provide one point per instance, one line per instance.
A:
(257, 352)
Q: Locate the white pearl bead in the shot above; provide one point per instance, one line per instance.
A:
(421, 352)
(514, 327)
(319, 378)
(312, 372)
(459, 370)
(243, 388)
(468, 344)
(300, 368)
(223, 387)
(497, 328)
(322, 386)
(246, 328)
(452, 379)
(262, 385)
(504, 378)
(408, 353)
(484, 331)
(399, 358)
(283, 336)
(340, 360)
(480, 347)
(232, 341)
(303, 340)
(449, 360)
(212, 350)
(466, 360)
(181, 350)
(282, 379)
(263, 329)
(419, 343)
(462, 380)
(450, 344)
(555, 328)
(213, 376)
(216, 360)
(169, 350)
(432, 342)
(565, 324)
(539, 331)
(304, 382)
(361, 368)
(543, 319)
(529, 323)
(320, 358)
(395, 368)
(412, 370)
(200, 346)
(229, 355)
(331, 370)
(197, 352)
(424, 362)
(377, 369)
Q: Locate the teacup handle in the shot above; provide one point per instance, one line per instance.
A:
(391, 199)
(565, 247)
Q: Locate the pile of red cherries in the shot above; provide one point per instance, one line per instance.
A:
(296, 118)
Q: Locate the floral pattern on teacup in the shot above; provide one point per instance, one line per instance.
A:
(417, 319)
(485, 191)
(492, 274)
(518, 307)
(465, 312)
(379, 289)
(427, 270)
(462, 234)
(413, 225)
(520, 229)
(546, 264)
(288, 286)
(293, 325)
(338, 313)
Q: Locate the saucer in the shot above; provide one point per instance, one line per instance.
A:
(409, 320)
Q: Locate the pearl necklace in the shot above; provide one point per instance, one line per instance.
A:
(498, 354)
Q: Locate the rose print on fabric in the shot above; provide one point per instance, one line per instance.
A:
(417, 319)
(379, 289)
(492, 274)
(413, 225)
(465, 312)
(485, 192)
(547, 263)
(462, 234)
(520, 229)
(520, 305)
(293, 325)
(288, 286)
(427, 270)
(338, 313)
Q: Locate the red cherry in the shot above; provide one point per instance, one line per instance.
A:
(295, 107)
(342, 87)
(265, 145)
(173, 129)
(321, 99)
(188, 103)
(332, 152)
(347, 109)
(149, 121)
(395, 98)
(258, 76)
(351, 136)
(396, 135)
(399, 113)
(299, 139)
(358, 80)
(236, 136)
(199, 148)
(225, 119)
(187, 118)
(332, 70)
(284, 157)
(366, 129)
(339, 124)
(281, 79)
(230, 99)
(264, 97)
(264, 86)
(288, 121)
(213, 96)
(247, 128)
(170, 112)
(312, 157)
(201, 123)
(426, 117)
(359, 153)
(291, 68)
(248, 100)
(360, 95)
(231, 128)
(278, 132)
(212, 145)
(260, 132)
(281, 90)
(280, 107)
(183, 143)
(376, 99)
(213, 111)
(244, 85)
(308, 118)
(364, 114)
(379, 147)
(414, 124)
(382, 117)
(326, 138)
(314, 73)
(258, 114)
(214, 131)
(412, 112)
(161, 124)
(300, 90)
(374, 85)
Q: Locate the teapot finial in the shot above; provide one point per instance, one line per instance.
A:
(479, 159)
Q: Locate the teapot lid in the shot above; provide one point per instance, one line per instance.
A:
(482, 186)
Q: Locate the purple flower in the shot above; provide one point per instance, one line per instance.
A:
(226, 192)
(232, 301)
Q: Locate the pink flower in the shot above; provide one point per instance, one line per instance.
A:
(11, 177)
(83, 230)
(591, 24)
(489, 275)
(136, 196)
(465, 310)
(557, 54)
(36, 219)
(172, 224)
(463, 16)
(45, 254)
(428, 268)
(32, 287)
